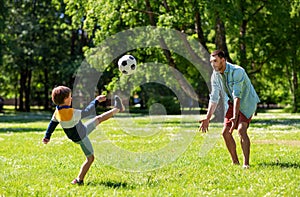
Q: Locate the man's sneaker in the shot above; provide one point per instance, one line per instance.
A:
(118, 103)
(77, 182)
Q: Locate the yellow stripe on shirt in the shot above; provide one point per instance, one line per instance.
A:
(64, 114)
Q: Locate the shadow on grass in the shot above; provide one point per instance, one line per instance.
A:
(111, 184)
(18, 130)
(277, 121)
(25, 117)
(280, 164)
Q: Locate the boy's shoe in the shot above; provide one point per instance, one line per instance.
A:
(118, 103)
(77, 182)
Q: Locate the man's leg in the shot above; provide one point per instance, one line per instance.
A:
(245, 141)
(231, 145)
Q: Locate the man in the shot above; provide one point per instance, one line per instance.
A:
(240, 100)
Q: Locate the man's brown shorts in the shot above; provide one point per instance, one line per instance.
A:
(241, 117)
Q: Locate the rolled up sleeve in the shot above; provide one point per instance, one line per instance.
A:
(238, 77)
(215, 91)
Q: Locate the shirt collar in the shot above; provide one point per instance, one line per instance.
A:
(63, 107)
(227, 68)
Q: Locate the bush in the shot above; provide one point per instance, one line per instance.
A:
(170, 103)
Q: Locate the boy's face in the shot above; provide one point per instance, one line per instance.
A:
(68, 100)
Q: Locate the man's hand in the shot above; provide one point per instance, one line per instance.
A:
(101, 98)
(233, 124)
(45, 140)
(236, 109)
(204, 125)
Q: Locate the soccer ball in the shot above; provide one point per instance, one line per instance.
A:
(127, 64)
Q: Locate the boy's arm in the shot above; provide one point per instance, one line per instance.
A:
(51, 127)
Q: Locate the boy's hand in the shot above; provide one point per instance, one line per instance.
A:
(101, 98)
(45, 140)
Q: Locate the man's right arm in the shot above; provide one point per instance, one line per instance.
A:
(211, 109)
(213, 102)
(205, 122)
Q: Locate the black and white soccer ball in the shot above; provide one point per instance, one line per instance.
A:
(127, 64)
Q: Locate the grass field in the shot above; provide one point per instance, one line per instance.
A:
(30, 168)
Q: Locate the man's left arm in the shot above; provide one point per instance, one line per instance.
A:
(238, 77)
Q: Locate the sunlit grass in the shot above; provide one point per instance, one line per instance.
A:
(30, 168)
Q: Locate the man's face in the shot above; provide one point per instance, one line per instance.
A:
(217, 63)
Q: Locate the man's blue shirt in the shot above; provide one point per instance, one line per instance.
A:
(239, 86)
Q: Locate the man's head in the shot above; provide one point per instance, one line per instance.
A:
(218, 53)
(60, 94)
(218, 61)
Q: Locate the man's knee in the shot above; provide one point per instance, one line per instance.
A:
(225, 132)
(242, 129)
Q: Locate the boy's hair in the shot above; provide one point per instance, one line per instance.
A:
(59, 94)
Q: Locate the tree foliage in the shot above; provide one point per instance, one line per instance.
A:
(45, 42)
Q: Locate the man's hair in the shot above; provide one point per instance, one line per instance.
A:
(59, 94)
(219, 53)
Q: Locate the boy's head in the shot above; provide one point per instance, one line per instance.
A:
(59, 94)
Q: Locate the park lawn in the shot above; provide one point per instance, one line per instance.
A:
(30, 168)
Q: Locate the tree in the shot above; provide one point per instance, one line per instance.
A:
(40, 50)
(292, 59)
(44, 42)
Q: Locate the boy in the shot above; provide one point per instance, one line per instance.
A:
(70, 120)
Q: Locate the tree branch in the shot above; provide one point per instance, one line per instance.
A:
(257, 10)
(142, 11)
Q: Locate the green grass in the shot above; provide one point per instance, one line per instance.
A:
(30, 168)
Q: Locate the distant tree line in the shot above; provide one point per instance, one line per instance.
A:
(43, 42)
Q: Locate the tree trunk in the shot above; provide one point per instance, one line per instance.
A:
(243, 58)
(171, 62)
(22, 89)
(46, 89)
(220, 40)
(295, 87)
(150, 13)
(16, 96)
(28, 91)
(198, 27)
(73, 41)
(161, 40)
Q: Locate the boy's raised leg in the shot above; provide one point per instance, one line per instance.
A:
(118, 107)
(118, 103)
